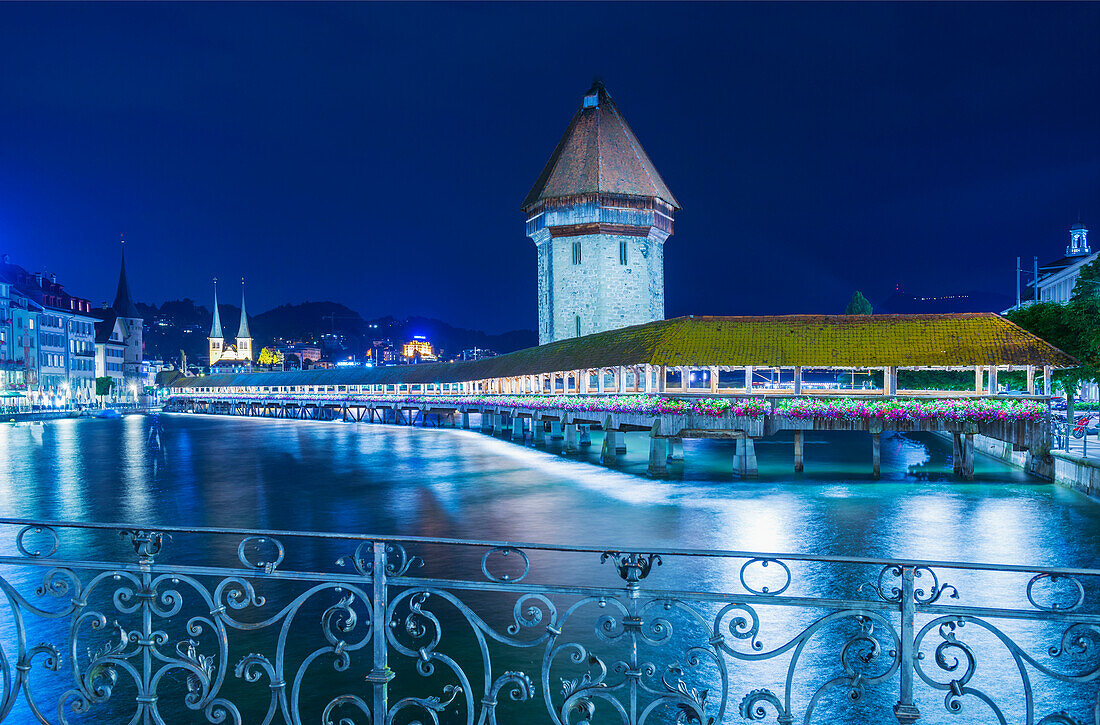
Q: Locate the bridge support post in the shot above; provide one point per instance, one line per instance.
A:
(956, 453)
(968, 453)
(586, 436)
(538, 430)
(658, 451)
(498, 423)
(571, 438)
(607, 452)
(745, 458)
(555, 430)
(518, 430)
(465, 420)
(675, 448)
(876, 468)
(798, 451)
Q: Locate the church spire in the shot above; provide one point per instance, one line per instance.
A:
(242, 331)
(216, 328)
(124, 304)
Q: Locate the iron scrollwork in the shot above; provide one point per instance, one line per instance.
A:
(372, 640)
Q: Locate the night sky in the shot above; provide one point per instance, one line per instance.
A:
(377, 155)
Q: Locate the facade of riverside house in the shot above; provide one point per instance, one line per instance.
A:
(110, 353)
(52, 332)
(12, 374)
(599, 215)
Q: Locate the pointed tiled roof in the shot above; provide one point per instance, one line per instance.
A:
(216, 328)
(242, 331)
(124, 304)
(599, 154)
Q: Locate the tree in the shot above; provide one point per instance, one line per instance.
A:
(859, 305)
(270, 357)
(103, 386)
(1072, 327)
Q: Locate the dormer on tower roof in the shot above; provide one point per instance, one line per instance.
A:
(599, 154)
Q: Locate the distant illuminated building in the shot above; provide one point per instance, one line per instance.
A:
(476, 353)
(230, 356)
(382, 352)
(418, 349)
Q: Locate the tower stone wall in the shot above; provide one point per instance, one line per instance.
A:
(603, 280)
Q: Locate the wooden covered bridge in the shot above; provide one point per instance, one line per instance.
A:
(764, 365)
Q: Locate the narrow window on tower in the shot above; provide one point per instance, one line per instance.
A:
(576, 252)
(622, 252)
(577, 319)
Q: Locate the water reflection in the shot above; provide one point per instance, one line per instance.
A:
(387, 479)
(368, 478)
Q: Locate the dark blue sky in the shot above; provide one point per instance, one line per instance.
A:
(377, 154)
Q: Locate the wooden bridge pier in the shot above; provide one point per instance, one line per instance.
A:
(658, 452)
(798, 451)
(745, 458)
(570, 441)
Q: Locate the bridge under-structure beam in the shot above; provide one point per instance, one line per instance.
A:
(666, 431)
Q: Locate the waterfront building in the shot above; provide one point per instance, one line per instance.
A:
(382, 352)
(56, 332)
(12, 371)
(302, 353)
(599, 215)
(119, 341)
(110, 353)
(24, 334)
(230, 357)
(418, 349)
(1058, 277)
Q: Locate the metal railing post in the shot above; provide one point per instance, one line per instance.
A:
(906, 711)
(381, 675)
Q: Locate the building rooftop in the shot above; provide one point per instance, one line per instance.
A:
(598, 154)
(813, 341)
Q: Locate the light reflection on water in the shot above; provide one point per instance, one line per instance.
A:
(394, 480)
(236, 472)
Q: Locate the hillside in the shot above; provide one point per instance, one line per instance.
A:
(182, 324)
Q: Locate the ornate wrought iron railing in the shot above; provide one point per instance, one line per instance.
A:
(112, 623)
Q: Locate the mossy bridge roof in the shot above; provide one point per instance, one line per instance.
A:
(811, 341)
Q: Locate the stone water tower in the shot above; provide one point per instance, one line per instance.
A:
(599, 215)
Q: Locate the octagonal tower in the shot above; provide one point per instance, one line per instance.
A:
(599, 214)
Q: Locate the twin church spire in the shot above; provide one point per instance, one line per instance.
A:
(230, 355)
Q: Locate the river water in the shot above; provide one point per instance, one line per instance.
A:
(362, 478)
